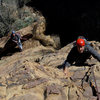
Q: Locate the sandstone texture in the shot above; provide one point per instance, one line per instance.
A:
(36, 73)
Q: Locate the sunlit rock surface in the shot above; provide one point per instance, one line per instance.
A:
(36, 73)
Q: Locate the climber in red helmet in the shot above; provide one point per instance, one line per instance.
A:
(78, 55)
(80, 45)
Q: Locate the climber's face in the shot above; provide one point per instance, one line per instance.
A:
(80, 49)
(13, 34)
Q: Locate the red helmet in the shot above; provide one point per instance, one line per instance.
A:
(80, 42)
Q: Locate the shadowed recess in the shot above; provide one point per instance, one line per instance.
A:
(69, 19)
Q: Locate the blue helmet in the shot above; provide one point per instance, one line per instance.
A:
(13, 32)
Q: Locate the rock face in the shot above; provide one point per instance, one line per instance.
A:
(36, 72)
(33, 73)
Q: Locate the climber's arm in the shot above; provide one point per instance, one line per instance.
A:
(94, 53)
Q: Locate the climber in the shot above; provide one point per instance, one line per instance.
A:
(16, 38)
(81, 51)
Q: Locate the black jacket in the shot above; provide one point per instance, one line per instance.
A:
(16, 37)
(74, 57)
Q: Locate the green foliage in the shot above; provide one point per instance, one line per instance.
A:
(6, 20)
(13, 18)
(19, 24)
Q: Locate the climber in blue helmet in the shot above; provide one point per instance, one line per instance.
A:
(16, 38)
(13, 32)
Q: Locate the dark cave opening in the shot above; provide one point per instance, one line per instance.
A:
(70, 19)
